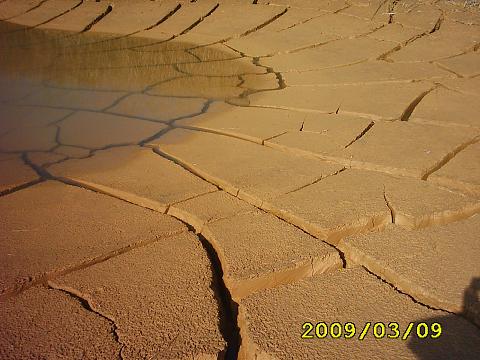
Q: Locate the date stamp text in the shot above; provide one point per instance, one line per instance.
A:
(378, 330)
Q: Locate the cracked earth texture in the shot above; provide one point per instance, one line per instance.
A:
(197, 179)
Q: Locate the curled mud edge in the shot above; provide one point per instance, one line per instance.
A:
(231, 291)
(464, 187)
(88, 304)
(404, 286)
(241, 288)
(234, 290)
(25, 283)
(350, 256)
(433, 219)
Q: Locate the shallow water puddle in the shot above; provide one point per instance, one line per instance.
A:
(94, 91)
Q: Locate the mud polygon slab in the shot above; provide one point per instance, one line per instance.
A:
(466, 86)
(293, 17)
(349, 202)
(72, 151)
(270, 317)
(258, 250)
(273, 42)
(255, 124)
(423, 146)
(208, 208)
(77, 19)
(73, 99)
(423, 17)
(46, 323)
(229, 67)
(17, 116)
(10, 9)
(260, 81)
(29, 139)
(462, 172)
(368, 72)
(14, 172)
(225, 21)
(183, 19)
(369, 12)
(44, 158)
(200, 87)
(161, 298)
(157, 108)
(395, 33)
(416, 203)
(134, 173)
(322, 134)
(368, 100)
(237, 165)
(336, 53)
(51, 227)
(409, 260)
(127, 18)
(465, 65)
(449, 108)
(44, 13)
(452, 39)
(96, 130)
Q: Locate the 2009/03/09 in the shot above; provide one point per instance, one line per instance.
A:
(348, 330)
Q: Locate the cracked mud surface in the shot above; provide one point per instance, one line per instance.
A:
(181, 181)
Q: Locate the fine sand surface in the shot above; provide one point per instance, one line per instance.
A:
(205, 179)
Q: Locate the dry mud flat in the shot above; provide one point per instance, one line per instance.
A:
(178, 181)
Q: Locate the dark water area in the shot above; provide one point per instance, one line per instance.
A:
(61, 88)
(109, 62)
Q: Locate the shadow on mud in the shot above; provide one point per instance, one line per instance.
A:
(458, 339)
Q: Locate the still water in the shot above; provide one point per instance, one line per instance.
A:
(59, 89)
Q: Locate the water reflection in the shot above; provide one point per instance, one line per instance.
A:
(105, 90)
(93, 61)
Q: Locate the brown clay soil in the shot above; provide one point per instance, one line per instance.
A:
(214, 179)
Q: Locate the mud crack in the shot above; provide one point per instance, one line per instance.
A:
(390, 207)
(107, 11)
(391, 11)
(163, 19)
(359, 136)
(228, 307)
(438, 24)
(87, 303)
(449, 157)
(411, 107)
(28, 10)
